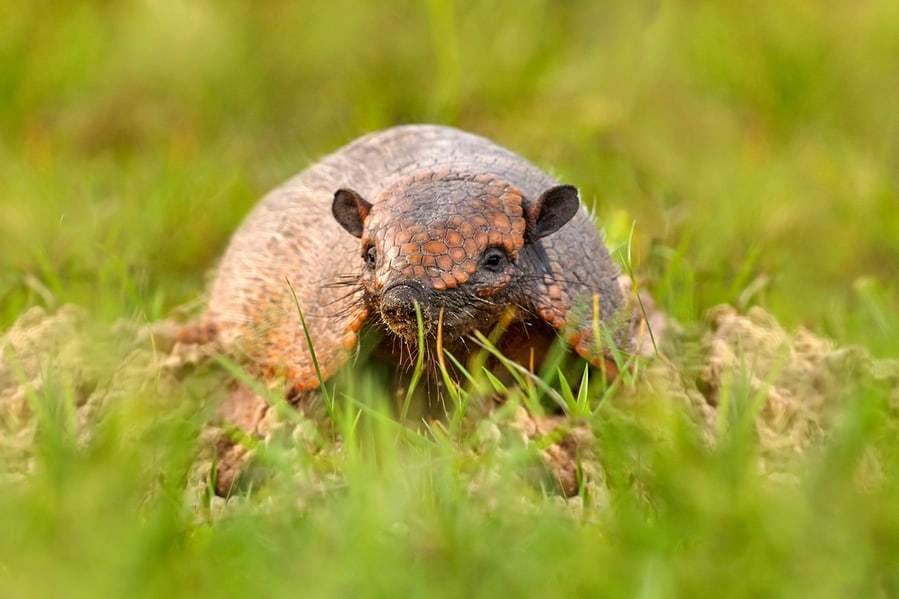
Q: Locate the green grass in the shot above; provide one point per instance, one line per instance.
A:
(751, 147)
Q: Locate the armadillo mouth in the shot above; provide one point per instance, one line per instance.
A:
(408, 331)
(432, 329)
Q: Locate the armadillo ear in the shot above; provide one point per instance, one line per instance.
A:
(552, 209)
(350, 210)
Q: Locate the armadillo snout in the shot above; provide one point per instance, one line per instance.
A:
(398, 307)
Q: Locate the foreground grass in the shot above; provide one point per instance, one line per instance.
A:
(752, 143)
(111, 520)
(112, 504)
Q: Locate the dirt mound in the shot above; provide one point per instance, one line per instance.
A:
(40, 356)
(61, 369)
(747, 367)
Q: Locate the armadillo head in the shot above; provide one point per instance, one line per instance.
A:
(449, 243)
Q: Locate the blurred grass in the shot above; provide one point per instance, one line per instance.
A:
(753, 136)
(754, 144)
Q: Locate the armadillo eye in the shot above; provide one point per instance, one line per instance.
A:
(494, 259)
(371, 257)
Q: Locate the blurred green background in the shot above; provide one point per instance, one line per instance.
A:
(752, 147)
(752, 144)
